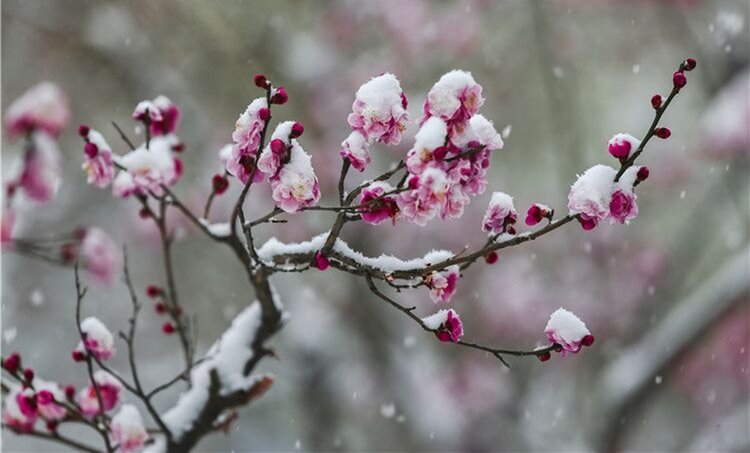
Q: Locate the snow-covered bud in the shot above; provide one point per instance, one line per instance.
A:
(567, 330)
(97, 339)
(662, 132)
(297, 130)
(536, 213)
(621, 145)
(128, 432)
(491, 257)
(260, 81)
(656, 101)
(220, 184)
(168, 328)
(279, 96)
(109, 391)
(446, 324)
(321, 262)
(356, 150)
(678, 79)
(83, 130)
(12, 363)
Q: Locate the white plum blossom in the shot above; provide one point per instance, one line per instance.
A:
(128, 431)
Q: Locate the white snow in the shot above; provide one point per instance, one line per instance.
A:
(484, 131)
(228, 357)
(217, 229)
(385, 263)
(434, 321)
(431, 135)
(380, 93)
(501, 200)
(94, 329)
(282, 132)
(592, 190)
(443, 96)
(567, 326)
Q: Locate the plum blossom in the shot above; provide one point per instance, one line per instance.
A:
(621, 145)
(537, 212)
(39, 177)
(443, 284)
(278, 150)
(109, 390)
(446, 324)
(47, 393)
(455, 98)
(481, 132)
(429, 145)
(100, 256)
(163, 114)
(43, 107)
(622, 207)
(427, 193)
(296, 186)
(17, 413)
(379, 207)
(246, 140)
(128, 431)
(146, 169)
(356, 150)
(455, 202)
(379, 110)
(500, 215)
(591, 194)
(98, 339)
(98, 163)
(567, 330)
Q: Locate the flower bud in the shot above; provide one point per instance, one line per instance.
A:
(12, 362)
(543, 357)
(70, 392)
(220, 184)
(78, 356)
(689, 64)
(91, 150)
(588, 340)
(656, 101)
(491, 257)
(28, 374)
(153, 291)
(297, 130)
(321, 262)
(168, 328)
(679, 79)
(264, 114)
(160, 308)
(662, 132)
(260, 81)
(642, 174)
(279, 97)
(83, 130)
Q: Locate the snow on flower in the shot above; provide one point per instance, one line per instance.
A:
(16, 413)
(128, 431)
(149, 168)
(379, 110)
(278, 151)
(443, 284)
(500, 215)
(428, 145)
(591, 194)
(621, 145)
(446, 324)
(44, 107)
(378, 207)
(356, 150)
(296, 186)
(41, 167)
(98, 339)
(109, 390)
(98, 163)
(427, 194)
(536, 213)
(455, 98)
(622, 207)
(567, 330)
(246, 139)
(481, 131)
(47, 393)
(100, 255)
(163, 115)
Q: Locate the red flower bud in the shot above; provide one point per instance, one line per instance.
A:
(491, 257)
(588, 340)
(279, 97)
(78, 356)
(160, 308)
(264, 114)
(68, 252)
(277, 146)
(543, 357)
(689, 64)
(28, 374)
(70, 392)
(321, 262)
(91, 150)
(51, 426)
(642, 174)
(144, 213)
(220, 184)
(12, 362)
(297, 130)
(656, 101)
(260, 81)
(178, 147)
(153, 291)
(168, 328)
(662, 132)
(83, 130)
(679, 79)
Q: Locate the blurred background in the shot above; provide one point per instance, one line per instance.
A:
(666, 297)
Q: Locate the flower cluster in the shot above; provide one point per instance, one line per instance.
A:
(568, 331)
(501, 216)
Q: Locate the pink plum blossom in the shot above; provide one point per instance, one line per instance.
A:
(100, 255)
(128, 431)
(622, 207)
(429, 144)
(427, 193)
(536, 213)
(379, 110)
(567, 330)
(500, 215)
(591, 194)
(356, 150)
(98, 339)
(377, 211)
(42, 164)
(278, 151)
(455, 98)
(109, 390)
(446, 324)
(44, 107)
(246, 140)
(296, 185)
(480, 132)
(47, 395)
(147, 169)
(455, 202)
(622, 145)
(443, 284)
(16, 412)
(164, 115)
(98, 163)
